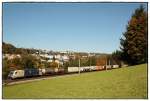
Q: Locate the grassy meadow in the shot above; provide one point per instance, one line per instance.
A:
(126, 82)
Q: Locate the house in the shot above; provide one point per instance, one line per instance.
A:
(11, 56)
(65, 58)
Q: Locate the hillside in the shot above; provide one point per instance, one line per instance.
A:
(127, 82)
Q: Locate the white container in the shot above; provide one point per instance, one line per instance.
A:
(73, 69)
(115, 66)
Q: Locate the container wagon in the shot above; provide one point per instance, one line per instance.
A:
(31, 72)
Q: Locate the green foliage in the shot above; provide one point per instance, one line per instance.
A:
(9, 65)
(117, 57)
(117, 83)
(29, 61)
(10, 49)
(134, 42)
(83, 61)
(46, 64)
(66, 64)
(74, 62)
(53, 64)
(5, 68)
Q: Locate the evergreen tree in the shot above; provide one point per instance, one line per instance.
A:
(134, 42)
(116, 57)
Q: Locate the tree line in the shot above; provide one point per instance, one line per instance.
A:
(11, 49)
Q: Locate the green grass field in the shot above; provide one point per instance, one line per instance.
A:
(127, 82)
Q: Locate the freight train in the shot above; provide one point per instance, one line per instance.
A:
(55, 71)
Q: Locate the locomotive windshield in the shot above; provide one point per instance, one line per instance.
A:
(11, 73)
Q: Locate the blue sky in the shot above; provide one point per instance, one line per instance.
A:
(86, 27)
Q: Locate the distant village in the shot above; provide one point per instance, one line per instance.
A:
(46, 56)
(10, 52)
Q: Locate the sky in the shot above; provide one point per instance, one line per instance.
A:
(83, 27)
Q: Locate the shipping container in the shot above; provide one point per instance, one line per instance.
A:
(49, 71)
(31, 72)
(115, 66)
(73, 69)
(40, 71)
(100, 67)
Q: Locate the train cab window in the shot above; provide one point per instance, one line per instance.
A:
(11, 73)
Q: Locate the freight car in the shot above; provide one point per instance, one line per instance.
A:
(73, 69)
(32, 72)
(82, 69)
(48, 71)
(98, 68)
(115, 66)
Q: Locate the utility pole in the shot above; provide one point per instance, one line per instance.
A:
(90, 60)
(109, 62)
(58, 65)
(79, 65)
(106, 63)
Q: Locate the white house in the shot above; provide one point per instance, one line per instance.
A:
(11, 56)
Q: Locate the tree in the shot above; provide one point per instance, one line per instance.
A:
(53, 64)
(102, 60)
(5, 68)
(16, 62)
(8, 48)
(74, 62)
(92, 61)
(134, 41)
(29, 61)
(116, 57)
